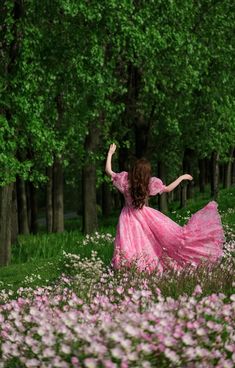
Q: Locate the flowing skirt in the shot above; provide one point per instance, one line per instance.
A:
(154, 241)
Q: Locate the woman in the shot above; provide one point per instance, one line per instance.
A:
(149, 238)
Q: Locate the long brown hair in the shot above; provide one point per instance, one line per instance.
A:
(139, 176)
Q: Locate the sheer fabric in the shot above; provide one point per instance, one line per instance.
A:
(155, 242)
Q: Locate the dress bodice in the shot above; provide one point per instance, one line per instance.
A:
(121, 182)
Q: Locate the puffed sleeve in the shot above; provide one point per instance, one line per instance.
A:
(120, 181)
(156, 186)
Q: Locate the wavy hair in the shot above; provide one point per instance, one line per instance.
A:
(139, 176)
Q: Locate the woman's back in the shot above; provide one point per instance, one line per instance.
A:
(122, 183)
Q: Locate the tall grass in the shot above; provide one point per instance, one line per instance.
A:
(48, 246)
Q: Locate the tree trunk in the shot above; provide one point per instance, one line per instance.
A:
(90, 218)
(183, 196)
(49, 202)
(202, 175)
(141, 139)
(162, 198)
(106, 200)
(5, 223)
(233, 169)
(189, 155)
(58, 197)
(183, 186)
(33, 208)
(22, 206)
(208, 170)
(14, 217)
(177, 193)
(117, 200)
(142, 129)
(28, 201)
(58, 177)
(132, 116)
(171, 196)
(123, 157)
(214, 175)
(228, 171)
(55, 198)
(190, 189)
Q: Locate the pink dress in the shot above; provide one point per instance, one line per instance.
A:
(155, 242)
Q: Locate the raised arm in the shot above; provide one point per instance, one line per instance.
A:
(175, 183)
(108, 166)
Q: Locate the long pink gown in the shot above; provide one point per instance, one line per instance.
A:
(154, 242)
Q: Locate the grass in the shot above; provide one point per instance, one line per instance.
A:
(38, 272)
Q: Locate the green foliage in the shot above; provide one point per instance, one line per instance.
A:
(167, 65)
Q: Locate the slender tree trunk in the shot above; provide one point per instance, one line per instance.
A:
(123, 157)
(208, 170)
(233, 169)
(214, 175)
(5, 223)
(90, 218)
(33, 208)
(183, 186)
(117, 200)
(177, 193)
(58, 197)
(183, 196)
(134, 118)
(49, 202)
(228, 171)
(171, 196)
(14, 218)
(58, 177)
(55, 198)
(162, 198)
(142, 127)
(141, 124)
(142, 136)
(188, 160)
(202, 175)
(106, 200)
(22, 206)
(190, 189)
(28, 201)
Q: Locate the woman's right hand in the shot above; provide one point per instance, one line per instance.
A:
(112, 148)
(187, 177)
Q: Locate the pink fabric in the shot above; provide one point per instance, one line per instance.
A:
(153, 241)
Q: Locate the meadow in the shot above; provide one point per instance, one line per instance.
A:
(62, 305)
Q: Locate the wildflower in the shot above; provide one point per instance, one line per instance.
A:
(187, 339)
(171, 355)
(197, 290)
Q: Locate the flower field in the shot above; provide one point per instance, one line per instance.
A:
(96, 317)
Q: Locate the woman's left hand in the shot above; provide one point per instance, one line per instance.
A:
(112, 148)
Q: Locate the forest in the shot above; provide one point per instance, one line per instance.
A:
(156, 77)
